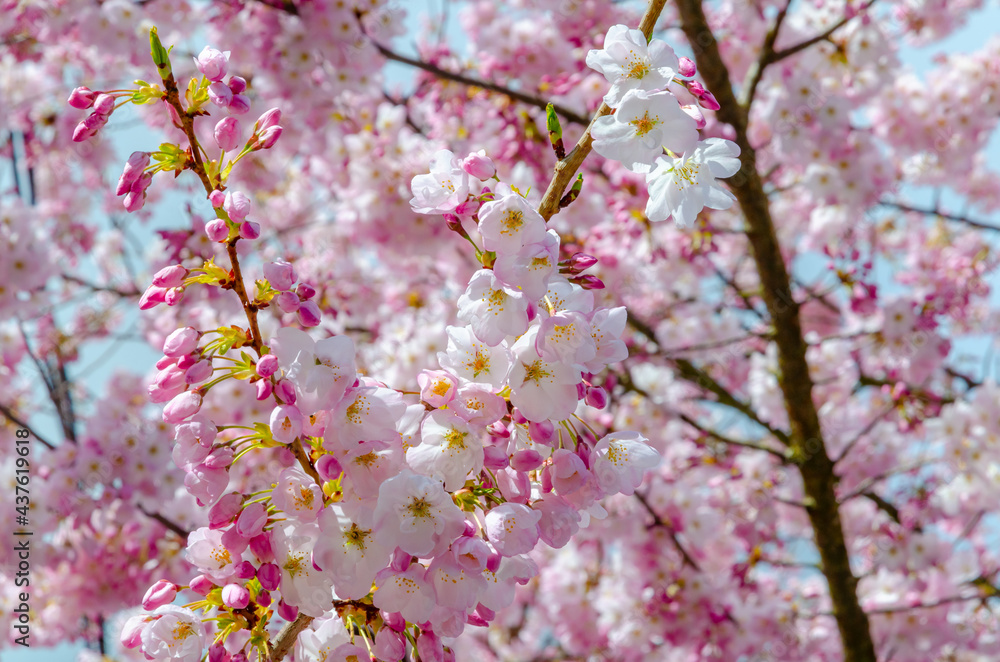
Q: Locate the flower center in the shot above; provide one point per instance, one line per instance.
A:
(295, 564)
(479, 364)
(535, 372)
(512, 221)
(644, 124)
(356, 537)
(638, 70)
(420, 508)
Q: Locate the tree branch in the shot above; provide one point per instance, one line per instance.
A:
(937, 212)
(658, 521)
(287, 636)
(13, 418)
(389, 54)
(807, 445)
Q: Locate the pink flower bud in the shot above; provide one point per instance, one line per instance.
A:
(267, 120)
(237, 84)
(280, 274)
(390, 645)
(104, 104)
(239, 105)
(224, 510)
(287, 302)
(261, 548)
(202, 585)
(429, 647)
(181, 342)
(579, 262)
(217, 198)
(495, 457)
(526, 460)
(235, 596)
(695, 88)
(173, 296)
(479, 166)
(160, 593)
(182, 406)
(708, 100)
(249, 230)
(309, 314)
(82, 98)
(172, 276)
(267, 365)
(268, 137)
(305, 291)
(264, 598)
(597, 397)
(394, 620)
(269, 575)
(212, 63)
(237, 205)
(199, 372)
(287, 611)
(285, 391)
(589, 282)
(264, 389)
(687, 67)
(220, 94)
(153, 296)
(217, 653)
(217, 230)
(133, 171)
(89, 127)
(252, 520)
(328, 467)
(227, 134)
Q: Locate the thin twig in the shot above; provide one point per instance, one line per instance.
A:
(13, 418)
(658, 521)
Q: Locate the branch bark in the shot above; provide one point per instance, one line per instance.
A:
(807, 445)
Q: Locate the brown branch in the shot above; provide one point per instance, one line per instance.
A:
(169, 524)
(883, 505)
(566, 168)
(287, 636)
(826, 34)
(125, 294)
(728, 440)
(691, 373)
(13, 418)
(528, 99)
(658, 521)
(807, 445)
(756, 71)
(937, 212)
(303, 458)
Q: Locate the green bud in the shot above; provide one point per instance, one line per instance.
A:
(161, 56)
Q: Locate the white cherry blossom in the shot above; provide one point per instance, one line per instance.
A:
(682, 187)
(629, 63)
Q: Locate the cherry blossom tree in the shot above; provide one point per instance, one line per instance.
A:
(624, 332)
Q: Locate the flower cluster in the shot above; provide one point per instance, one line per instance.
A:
(651, 133)
(422, 510)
